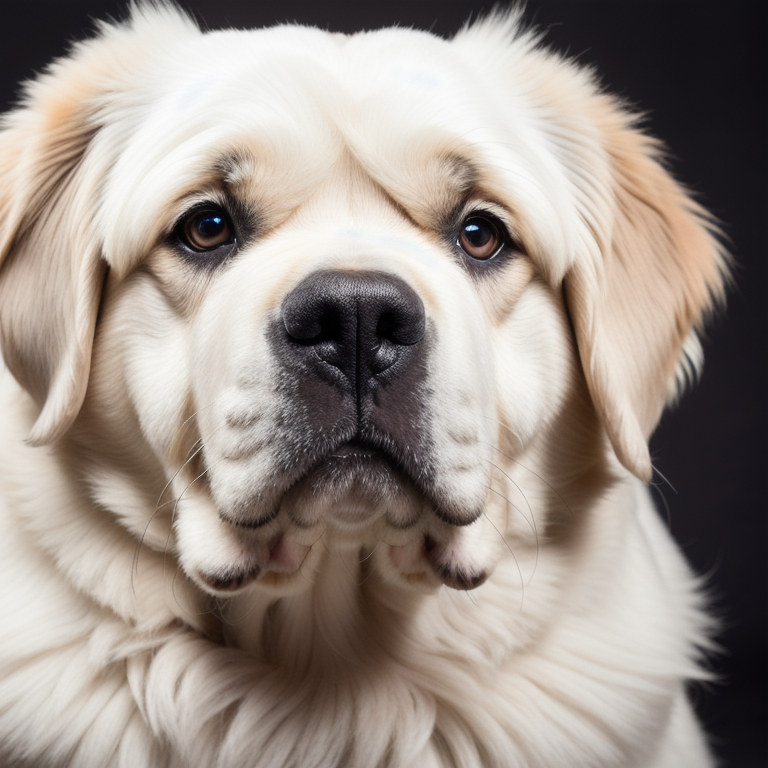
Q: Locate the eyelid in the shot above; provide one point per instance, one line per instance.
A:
(482, 207)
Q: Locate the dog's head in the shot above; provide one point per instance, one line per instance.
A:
(310, 288)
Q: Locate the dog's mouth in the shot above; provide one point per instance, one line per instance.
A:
(363, 494)
(346, 476)
(352, 486)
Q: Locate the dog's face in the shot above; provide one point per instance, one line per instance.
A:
(321, 294)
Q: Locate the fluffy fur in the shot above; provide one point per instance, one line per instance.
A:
(222, 547)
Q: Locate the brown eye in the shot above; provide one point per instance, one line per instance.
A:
(480, 237)
(206, 229)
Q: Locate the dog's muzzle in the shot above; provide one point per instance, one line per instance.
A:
(354, 348)
(352, 440)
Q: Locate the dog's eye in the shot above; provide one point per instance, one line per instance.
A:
(206, 229)
(481, 237)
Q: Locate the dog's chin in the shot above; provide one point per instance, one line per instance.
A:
(352, 488)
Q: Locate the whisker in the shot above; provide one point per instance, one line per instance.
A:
(523, 583)
(347, 568)
(524, 467)
(507, 544)
(226, 611)
(200, 410)
(301, 566)
(471, 597)
(193, 451)
(173, 517)
(665, 480)
(180, 572)
(370, 554)
(532, 521)
(158, 508)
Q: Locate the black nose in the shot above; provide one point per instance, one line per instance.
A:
(361, 325)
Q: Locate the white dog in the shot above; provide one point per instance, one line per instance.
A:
(332, 365)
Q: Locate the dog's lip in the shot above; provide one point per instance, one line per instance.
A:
(353, 449)
(285, 557)
(351, 453)
(355, 454)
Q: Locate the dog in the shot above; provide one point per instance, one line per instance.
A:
(331, 367)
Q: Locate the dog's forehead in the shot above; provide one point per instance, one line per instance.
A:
(305, 66)
(411, 108)
(305, 83)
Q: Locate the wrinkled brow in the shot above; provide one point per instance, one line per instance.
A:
(432, 190)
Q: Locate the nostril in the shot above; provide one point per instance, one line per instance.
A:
(404, 324)
(317, 323)
(383, 356)
(311, 322)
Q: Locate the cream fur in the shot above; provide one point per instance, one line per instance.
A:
(145, 405)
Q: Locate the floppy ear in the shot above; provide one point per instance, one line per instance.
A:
(637, 307)
(52, 172)
(51, 273)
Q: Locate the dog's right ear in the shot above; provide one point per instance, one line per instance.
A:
(50, 270)
(51, 175)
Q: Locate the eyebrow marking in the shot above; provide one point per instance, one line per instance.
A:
(234, 167)
(463, 173)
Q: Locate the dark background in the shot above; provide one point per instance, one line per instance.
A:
(698, 69)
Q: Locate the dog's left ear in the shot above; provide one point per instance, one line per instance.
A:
(639, 300)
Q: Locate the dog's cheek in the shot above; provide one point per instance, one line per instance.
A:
(535, 365)
(240, 411)
(462, 401)
(141, 368)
